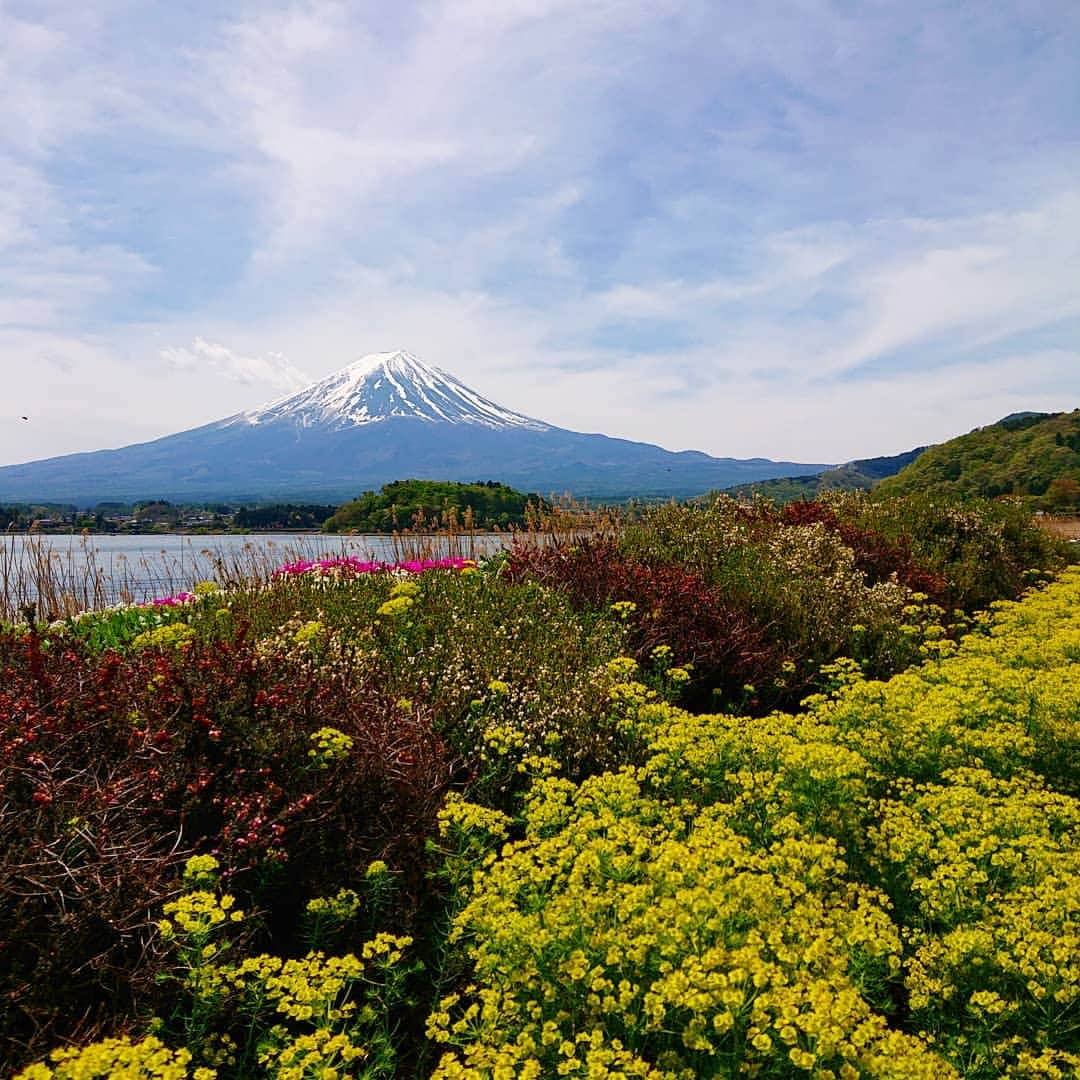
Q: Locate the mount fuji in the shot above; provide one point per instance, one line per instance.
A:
(387, 416)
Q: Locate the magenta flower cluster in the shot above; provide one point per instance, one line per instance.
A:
(351, 565)
(172, 601)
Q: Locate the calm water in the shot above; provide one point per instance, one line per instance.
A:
(108, 569)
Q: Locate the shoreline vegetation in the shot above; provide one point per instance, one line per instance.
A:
(737, 789)
(415, 506)
(63, 580)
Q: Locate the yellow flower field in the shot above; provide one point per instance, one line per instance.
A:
(885, 886)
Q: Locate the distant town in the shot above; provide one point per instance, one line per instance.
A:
(160, 516)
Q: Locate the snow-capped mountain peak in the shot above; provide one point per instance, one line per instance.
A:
(382, 386)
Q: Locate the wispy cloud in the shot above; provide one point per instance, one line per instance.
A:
(203, 357)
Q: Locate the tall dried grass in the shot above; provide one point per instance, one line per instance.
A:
(39, 578)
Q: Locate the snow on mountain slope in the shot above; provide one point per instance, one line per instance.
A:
(385, 385)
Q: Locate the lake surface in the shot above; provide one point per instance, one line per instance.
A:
(104, 569)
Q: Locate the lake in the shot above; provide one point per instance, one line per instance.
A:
(101, 569)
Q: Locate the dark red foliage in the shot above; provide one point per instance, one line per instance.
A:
(113, 769)
(674, 607)
(875, 555)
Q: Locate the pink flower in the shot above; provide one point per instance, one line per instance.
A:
(172, 601)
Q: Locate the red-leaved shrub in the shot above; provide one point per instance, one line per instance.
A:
(875, 555)
(673, 607)
(114, 768)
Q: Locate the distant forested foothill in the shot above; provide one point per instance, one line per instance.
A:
(422, 504)
(1033, 456)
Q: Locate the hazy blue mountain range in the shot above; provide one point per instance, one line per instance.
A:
(860, 475)
(385, 417)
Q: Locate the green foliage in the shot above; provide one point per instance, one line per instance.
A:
(276, 1016)
(431, 504)
(799, 583)
(985, 550)
(109, 1059)
(783, 489)
(1032, 456)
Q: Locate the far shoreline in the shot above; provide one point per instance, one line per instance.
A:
(89, 533)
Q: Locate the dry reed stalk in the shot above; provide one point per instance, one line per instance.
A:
(36, 577)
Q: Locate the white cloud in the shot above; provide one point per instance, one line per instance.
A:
(207, 357)
(985, 278)
(333, 123)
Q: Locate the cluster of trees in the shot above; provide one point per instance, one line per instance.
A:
(23, 515)
(147, 515)
(404, 504)
(11, 517)
(430, 504)
(283, 517)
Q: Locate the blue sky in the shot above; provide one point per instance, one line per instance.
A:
(807, 230)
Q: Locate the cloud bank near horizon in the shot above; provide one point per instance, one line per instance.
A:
(815, 235)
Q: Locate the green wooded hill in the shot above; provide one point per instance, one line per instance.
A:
(420, 504)
(1033, 455)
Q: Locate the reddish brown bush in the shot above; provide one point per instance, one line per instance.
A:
(673, 607)
(114, 768)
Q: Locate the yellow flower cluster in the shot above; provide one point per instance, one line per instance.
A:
(395, 606)
(957, 846)
(459, 817)
(198, 913)
(313, 1017)
(501, 740)
(339, 908)
(118, 1059)
(402, 597)
(322, 1055)
(200, 870)
(330, 745)
(312, 988)
(311, 633)
(665, 933)
(170, 636)
(622, 668)
(776, 774)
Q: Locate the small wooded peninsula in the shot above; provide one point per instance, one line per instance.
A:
(433, 504)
